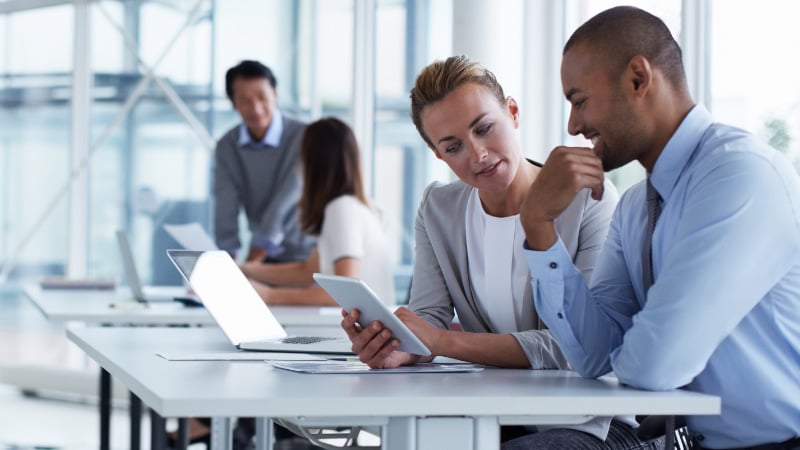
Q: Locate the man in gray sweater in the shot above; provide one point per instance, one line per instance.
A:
(255, 169)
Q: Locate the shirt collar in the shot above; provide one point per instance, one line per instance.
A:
(272, 138)
(676, 154)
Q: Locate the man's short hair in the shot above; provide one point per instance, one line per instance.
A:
(620, 33)
(248, 69)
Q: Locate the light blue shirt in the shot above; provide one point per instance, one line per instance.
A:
(723, 315)
(271, 139)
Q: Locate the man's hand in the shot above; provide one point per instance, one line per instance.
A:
(256, 254)
(263, 290)
(566, 172)
(374, 344)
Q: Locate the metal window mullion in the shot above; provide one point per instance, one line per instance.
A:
(77, 259)
(364, 85)
(543, 119)
(695, 41)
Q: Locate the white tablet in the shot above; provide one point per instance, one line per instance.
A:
(351, 293)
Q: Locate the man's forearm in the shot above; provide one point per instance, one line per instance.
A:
(540, 235)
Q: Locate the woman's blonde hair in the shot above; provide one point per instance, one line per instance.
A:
(440, 78)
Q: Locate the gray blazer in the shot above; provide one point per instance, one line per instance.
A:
(442, 287)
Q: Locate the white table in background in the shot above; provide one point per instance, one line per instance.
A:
(117, 308)
(415, 411)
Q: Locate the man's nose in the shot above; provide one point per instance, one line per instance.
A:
(574, 125)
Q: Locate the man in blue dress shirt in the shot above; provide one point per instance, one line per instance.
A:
(722, 315)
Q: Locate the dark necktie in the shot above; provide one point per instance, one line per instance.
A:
(652, 426)
(653, 210)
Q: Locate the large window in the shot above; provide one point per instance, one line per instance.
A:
(151, 108)
(157, 102)
(34, 138)
(753, 73)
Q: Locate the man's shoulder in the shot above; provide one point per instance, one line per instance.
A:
(230, 138)
(293, 130)
(736, 150)
(292, 125)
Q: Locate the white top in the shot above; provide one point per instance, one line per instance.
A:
(351, 229)
(498, 268)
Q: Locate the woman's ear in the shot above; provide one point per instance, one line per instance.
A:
(513, 109)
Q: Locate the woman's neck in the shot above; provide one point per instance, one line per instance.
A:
(507, 202)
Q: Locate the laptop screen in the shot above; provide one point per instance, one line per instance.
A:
(227, 294)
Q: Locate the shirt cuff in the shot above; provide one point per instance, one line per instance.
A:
(269, 244)
(229, 245)
(549, 270)
(550, 264)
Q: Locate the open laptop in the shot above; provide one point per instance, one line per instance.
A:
(146, 294)
(238, 309)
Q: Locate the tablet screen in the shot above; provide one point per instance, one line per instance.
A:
(352, 293)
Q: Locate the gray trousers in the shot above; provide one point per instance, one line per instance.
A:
(620, 437)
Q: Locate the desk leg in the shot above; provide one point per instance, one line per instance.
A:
(433, 433)
(221, 433)
(400, 433)
(158, 431)
(105, 410)
(487, 432)
(183, 434)
(265, 438)
(669, 433)
(135, 410)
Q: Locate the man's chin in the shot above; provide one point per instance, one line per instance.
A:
(607, 158)
(610, 164)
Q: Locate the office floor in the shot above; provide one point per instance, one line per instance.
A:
(49, 420)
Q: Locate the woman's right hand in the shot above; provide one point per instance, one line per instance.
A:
(374, 344)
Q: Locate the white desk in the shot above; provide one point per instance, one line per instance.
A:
(93, 306)
(416, 411)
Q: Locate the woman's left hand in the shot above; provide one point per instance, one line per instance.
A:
(427, 333)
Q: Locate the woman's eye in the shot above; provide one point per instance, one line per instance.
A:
(452, 148)
(483, 129)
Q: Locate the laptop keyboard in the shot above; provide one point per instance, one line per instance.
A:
(305, 339)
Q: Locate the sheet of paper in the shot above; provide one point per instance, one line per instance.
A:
(334, 366)
(239, 356)
(191, 236)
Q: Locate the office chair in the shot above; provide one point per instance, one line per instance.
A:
(651, 427)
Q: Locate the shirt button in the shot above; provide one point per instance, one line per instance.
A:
(699, 437)
(560, 316)
(553, 265)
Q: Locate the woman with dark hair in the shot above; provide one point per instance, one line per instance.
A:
(333, 207)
